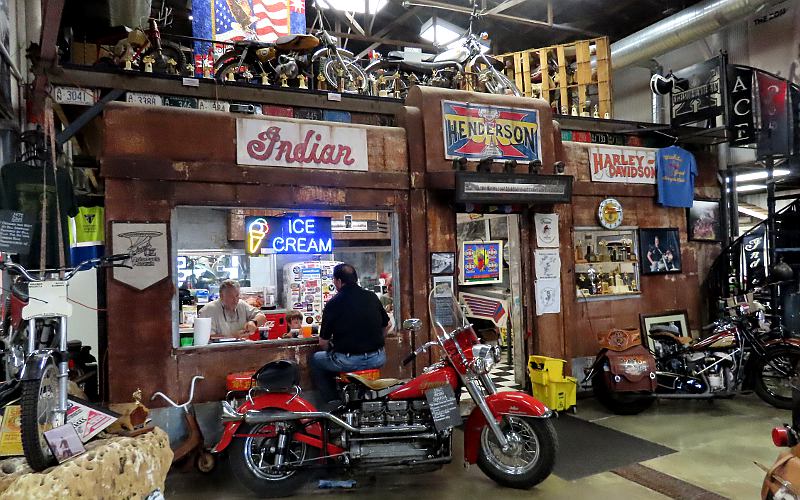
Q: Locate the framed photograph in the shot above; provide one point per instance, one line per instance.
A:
(702, 221)
(481, 262)
(444, 286)
(443, 262)
(660, 251)
(675, 321)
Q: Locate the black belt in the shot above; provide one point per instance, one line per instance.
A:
(365, 354)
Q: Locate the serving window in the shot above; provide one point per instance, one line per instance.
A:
(606, 262)
(283, 262)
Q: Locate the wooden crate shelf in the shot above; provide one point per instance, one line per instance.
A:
(576, 74)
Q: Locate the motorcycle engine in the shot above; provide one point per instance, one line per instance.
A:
(287, 66)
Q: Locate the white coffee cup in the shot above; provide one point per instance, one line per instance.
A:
(202, 331)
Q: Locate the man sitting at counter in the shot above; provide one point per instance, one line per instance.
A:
(230, 316)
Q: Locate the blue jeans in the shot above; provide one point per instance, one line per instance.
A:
(326, 365)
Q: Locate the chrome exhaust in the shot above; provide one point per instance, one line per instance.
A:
(229, 413)
(263, 417)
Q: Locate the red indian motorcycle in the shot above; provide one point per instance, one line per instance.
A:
(277, 440)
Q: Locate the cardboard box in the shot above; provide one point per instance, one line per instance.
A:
(83, 53)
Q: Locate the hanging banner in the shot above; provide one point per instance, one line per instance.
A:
(794, 100)
(774, 102)
(268, 143)
(147, 244)
(741, 119)
(754, 256)
(698, 92)
(622, 164)
(477, 131)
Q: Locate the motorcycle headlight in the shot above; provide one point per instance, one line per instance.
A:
(484, 358)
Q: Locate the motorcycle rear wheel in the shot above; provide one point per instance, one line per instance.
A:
(351, 72)
(250, 456)
(39, 402)
(239, 71)
(619, 403)
(169, 50)
(771, 386)
(531, 458)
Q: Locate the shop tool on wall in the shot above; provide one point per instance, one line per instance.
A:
(276, 439)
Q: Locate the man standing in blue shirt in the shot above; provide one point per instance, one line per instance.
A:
(675, 172)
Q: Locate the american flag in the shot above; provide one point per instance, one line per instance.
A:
(264, 20)
(486, 308)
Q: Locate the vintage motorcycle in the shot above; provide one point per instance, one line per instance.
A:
(782, 480)
(736, 355)
(277, 440)
(145, 44)
(401, 69)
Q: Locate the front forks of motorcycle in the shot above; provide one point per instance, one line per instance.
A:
(480, 400)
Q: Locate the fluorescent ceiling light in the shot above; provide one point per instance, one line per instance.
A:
(762, 174)
(750, 187)
(442, 32)
(356, 6)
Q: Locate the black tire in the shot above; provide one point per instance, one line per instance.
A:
(621, 403)
(36, 417)
(233, 66)
(351, 70)
(540, 432)
(169, 50)
(785, 358)
(259, 481)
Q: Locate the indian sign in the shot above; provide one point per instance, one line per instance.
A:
(476, 131)
(297, 143)
(146, 243)
(622, 164)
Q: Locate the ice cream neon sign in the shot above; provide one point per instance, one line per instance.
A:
(307, 235)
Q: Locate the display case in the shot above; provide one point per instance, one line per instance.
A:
(606, 262)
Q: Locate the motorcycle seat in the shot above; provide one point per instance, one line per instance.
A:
(375, 385)
(662, 335)
(20, 290)
(401, 55)
(253, 44)
(425, 66)
(297, 42)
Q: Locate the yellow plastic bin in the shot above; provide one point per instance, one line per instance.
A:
(550, 386)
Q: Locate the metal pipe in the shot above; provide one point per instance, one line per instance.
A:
(680, 29)
(258, 417)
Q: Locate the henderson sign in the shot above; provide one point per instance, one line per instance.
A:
(622, 164)
(300, 143)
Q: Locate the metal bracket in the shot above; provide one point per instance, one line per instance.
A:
(87, 116)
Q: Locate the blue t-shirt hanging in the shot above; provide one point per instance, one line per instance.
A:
(675, 173)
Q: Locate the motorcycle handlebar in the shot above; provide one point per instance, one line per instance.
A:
(86, 264)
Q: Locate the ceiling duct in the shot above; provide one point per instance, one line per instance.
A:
(681, 29)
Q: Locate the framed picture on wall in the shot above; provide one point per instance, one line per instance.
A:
(675, 322)
(481, 262)
(443, 262)
(702, 221)
(660, 251)
(443, 286)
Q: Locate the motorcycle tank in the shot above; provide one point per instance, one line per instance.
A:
(722, 339)
(416, 387)
(458, 54)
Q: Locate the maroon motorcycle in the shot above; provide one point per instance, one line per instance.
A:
(736, 355)
(277, 440)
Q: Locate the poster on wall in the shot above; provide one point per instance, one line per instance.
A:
(148, 247)
(698, 92)
(481, 262)
(548, 296)
(547, 263)
(477, 131)
(622, 164)
(546, 230)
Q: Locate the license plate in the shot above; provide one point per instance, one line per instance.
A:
(181, 102)
(212, 105)
(75, 95)
(144, 99)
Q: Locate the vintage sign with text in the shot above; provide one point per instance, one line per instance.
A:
(147, 244)
(296, 143)
(476, 131)
(622, 164)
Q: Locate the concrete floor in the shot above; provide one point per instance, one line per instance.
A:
(716, 445)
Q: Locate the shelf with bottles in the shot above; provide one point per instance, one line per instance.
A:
(606, 262)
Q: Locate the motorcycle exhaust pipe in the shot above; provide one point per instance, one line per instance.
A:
(260, 417)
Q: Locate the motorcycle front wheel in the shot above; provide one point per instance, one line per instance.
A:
(772, 376)
(530, 457)
(354, 76)
(39, 404)
(169, 50)
(252, 460)
(245, 72)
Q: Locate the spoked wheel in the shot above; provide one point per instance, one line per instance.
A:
(245, 72)
(169, 50)
(252, 461)
(354, 77)
(773, 374)
(39, 404)
(529, 457)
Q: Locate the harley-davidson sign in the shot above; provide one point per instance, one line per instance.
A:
(476, 131)
(300, 143)
(622, 164)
